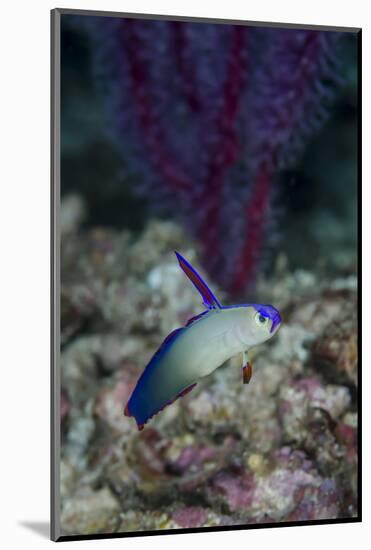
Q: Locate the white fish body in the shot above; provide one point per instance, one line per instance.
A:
(210, 341)
(196, 350)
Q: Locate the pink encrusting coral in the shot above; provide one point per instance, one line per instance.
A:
(190, 517)
(207, 115)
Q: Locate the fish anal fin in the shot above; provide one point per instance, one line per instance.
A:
(170, 402)
(178, 395)
(187, 390)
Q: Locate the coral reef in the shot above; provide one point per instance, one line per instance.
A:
(282, 448)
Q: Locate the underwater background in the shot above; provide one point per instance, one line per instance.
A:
(236, 146)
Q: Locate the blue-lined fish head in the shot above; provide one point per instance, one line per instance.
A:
(257, 324)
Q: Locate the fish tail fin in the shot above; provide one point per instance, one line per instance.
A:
(209, 298)
(140, 425)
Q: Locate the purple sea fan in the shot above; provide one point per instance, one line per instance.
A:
(207, 115)
(290, 94)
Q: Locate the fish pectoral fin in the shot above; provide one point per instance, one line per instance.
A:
(246, 369)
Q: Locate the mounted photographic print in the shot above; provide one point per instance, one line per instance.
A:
(205, 201)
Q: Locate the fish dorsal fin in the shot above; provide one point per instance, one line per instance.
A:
(196, 318)
(209, 299)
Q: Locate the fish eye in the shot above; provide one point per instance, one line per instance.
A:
(260, 319)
